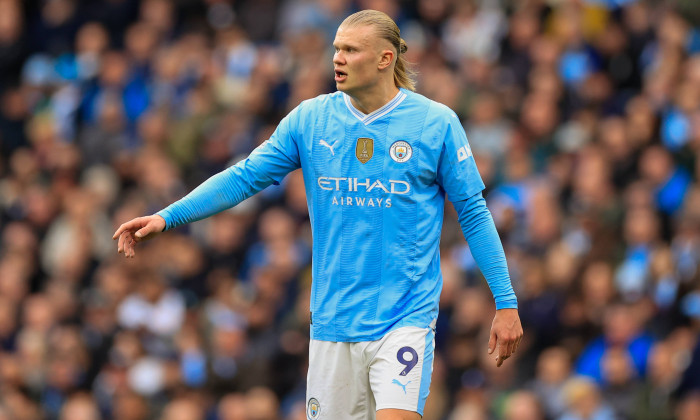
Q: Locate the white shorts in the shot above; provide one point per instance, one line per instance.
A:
(351, 381)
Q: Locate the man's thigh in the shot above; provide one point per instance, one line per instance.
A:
(396, 414)
(400, 372)
(338, 383)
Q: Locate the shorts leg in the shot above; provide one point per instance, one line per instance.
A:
(401, 368)
(337, 383)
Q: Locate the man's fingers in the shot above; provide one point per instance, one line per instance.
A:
(500, 360)
(506, 348)
(123, 228)
(506, 327)
(135, 231)
(502, 353)
(120, 244)
(126, 244)
(492, 342)
(143, 232)
(517, 344)
(126, 248)
(130, 247)
(129, 226)
(511, 346)
(503, 347)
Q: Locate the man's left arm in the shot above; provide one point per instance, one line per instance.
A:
(460, 178)
(485, 245)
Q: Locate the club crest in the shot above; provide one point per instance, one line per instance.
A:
(313, 409)
(401, 151)
(364, 149)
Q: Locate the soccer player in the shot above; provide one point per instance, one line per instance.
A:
(378, 160)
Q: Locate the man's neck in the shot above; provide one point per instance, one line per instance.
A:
(371, 100)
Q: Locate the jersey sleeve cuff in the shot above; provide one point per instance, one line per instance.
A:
(166, 216)
(511, 303)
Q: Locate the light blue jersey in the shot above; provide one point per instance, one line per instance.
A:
(375, 187)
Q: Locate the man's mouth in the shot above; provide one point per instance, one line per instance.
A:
(340, 75)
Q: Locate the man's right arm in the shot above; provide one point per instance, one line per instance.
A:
(225, 189)
(267, 164)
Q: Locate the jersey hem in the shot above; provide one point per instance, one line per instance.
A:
(334, 338)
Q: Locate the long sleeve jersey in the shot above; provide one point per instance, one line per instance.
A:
(375, 187)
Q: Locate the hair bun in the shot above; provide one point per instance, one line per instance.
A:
(403, 47)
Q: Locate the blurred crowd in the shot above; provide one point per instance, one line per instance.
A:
(584, 118)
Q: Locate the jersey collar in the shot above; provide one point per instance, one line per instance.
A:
(367, 119)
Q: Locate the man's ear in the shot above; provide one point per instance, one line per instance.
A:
(386, 59)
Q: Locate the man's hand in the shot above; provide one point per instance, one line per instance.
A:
(137, 230)
(506, 333)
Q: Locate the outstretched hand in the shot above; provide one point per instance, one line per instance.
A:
(137, 230)
(506, 333)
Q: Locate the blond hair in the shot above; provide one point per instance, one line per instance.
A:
(386, 29)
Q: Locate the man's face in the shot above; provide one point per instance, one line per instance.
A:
(358, 58)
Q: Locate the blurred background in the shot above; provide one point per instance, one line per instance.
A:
(584, 119)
